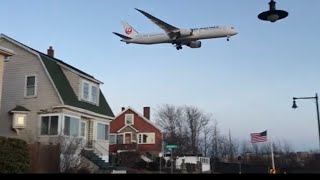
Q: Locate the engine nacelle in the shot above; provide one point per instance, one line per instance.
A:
(185, 32)
(194, 44)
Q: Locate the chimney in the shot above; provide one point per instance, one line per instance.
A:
(122, 109)
(146, 112)
(50, 52)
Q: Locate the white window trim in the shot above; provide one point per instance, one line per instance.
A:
(90, 92)
(96, 129)
(35, 85)
(125, 119)
(85, 129)
(73, 116)
(59, 124)
(154, 135)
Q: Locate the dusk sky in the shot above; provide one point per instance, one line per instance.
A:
(247, 84)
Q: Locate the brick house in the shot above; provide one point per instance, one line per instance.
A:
(131, 131)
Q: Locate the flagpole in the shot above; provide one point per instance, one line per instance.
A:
(273, 167)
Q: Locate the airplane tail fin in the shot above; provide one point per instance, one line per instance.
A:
(129, 30)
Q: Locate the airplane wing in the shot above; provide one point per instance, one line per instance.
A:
(169, 29)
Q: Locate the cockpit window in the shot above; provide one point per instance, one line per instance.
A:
(232, 27)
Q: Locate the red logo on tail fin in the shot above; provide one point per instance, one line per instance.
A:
(128, 30)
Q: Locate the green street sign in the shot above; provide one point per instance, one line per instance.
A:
(171, 146)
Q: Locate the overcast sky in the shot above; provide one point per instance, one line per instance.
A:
(247, 84)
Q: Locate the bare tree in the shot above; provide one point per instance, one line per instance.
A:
(196, 120)
(182, 126)
(71, 160)
(70, 156)
(215, 136)
(206, 140)
(169, 118)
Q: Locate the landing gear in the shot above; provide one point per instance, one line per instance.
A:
(228, 38)
(178, 47)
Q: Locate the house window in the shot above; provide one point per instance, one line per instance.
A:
(146, 138)
(116, 139)
(94, 94)
(113, 139)
(120, 139)
(90, 92)
(102, 131)
(129, 119)
(49, 125)
(30, 86)
(71, 126)
(85, 91)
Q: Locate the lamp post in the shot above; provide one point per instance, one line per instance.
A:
(239, 160)
(294, 106)
(160, 157)
(273, 14)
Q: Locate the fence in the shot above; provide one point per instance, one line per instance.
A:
(44, 158)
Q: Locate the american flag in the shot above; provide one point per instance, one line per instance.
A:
(258, 137)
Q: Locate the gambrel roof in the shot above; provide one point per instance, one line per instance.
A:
(68, 97)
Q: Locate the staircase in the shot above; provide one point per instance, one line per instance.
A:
(104, 167)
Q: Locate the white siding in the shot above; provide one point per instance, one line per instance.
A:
(19, 65)
(74, 81)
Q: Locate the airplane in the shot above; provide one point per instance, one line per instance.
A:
(176, 36)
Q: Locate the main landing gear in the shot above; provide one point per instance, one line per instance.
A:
(228, 38)
(178, 47)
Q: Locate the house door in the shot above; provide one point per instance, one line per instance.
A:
(127, 139)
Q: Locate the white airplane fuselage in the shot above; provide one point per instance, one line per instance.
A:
(197, 34)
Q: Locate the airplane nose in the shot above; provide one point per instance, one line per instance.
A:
(235, 32)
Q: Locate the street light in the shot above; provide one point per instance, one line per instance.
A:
(294, 106)
(272, 15)
(239, 160)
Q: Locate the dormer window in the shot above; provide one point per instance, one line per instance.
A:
(90, 92)
(129, 119)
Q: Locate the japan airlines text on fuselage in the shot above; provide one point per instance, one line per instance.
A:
(177, 36)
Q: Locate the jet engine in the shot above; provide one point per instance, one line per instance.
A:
(194, 44)
(185, 32)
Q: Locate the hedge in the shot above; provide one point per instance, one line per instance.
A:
(14, 155)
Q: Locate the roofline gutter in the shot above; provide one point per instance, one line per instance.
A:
(6, 52)
(84, 111)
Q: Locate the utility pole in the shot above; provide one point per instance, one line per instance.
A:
(171, 161)
(230, 148)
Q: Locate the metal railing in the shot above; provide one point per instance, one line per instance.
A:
(96, 149)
